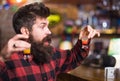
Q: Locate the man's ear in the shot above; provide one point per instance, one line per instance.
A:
(24, 30)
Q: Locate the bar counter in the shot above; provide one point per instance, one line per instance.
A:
(85, 73)
(91, 74)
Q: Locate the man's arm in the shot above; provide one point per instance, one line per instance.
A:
(13, 45)
(70, 59)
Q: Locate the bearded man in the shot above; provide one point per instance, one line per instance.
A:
(44, 62)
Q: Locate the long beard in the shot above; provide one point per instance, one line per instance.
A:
(41, 53)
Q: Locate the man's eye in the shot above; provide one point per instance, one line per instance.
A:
(42, 26)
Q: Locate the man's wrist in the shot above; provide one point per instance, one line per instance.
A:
(2, 58)
(4, 54)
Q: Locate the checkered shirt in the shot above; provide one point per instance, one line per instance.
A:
(18, 69)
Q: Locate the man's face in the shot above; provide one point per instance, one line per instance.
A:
(40, 30)
(40, 38)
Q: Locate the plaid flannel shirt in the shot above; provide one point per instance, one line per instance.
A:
(18, 69)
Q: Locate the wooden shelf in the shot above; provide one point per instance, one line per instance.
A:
(75, 2)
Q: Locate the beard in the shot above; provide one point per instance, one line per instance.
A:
(40, 51)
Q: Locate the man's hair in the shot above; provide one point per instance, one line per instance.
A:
(27, 14)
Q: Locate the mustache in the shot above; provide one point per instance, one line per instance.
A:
(48, 38)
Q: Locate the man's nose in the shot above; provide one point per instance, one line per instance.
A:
(48, 31)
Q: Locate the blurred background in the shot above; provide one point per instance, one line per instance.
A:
(66, 20)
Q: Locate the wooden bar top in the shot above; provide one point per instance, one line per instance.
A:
(91, 74)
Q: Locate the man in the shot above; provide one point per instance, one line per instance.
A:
(44, 62)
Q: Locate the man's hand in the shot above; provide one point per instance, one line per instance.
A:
(15, 44)
(88, 33)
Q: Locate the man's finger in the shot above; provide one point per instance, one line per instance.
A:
(23, 44)
(20, 36)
